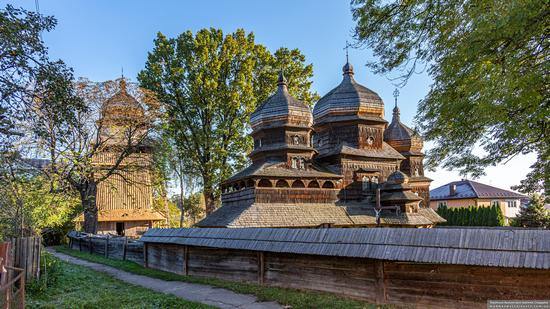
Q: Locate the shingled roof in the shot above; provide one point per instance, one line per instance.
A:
(386, 152)
(279, 169)
(311, 215)
(522, 248)
(348, 98)
(471, 189)
(280, 108)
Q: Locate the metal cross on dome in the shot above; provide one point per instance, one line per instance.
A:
(396, 95)
(347, 48)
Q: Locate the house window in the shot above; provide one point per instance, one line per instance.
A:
(442, 204)
(495, 203)
(512, 203)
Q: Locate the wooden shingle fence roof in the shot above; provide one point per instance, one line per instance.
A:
(520, 248)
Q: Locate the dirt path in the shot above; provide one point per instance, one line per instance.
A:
(205, 294)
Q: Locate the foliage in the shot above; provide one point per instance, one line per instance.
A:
(293, 298)
(28, 206)
(50, 271)
(534, 215)
(81, 287)
(489, 61)
(210, 83)
(71, 133)
(471, 216)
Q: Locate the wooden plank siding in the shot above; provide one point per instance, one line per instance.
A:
(422, 268)
(382, 282)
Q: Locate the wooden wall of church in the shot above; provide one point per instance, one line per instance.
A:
(384, 282)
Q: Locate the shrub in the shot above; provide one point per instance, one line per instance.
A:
(50, 270)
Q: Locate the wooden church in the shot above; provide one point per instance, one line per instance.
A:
(124, 199)
(341, 166)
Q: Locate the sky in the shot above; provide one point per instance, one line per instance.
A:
(98, 38)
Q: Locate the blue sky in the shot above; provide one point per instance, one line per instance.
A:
(97, 38)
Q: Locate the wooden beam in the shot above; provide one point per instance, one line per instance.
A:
(107, 247)
(186, 260)
(380, 284)
(261, 268)
(145, 255)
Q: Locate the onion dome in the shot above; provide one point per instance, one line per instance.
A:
(401, 137)
(281, 109)
(349, 100)
(122, 106)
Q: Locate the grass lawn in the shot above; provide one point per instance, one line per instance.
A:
(80, 287)
(295, 298)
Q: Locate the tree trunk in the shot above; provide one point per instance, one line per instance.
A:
(209, 200)
(208, 192)
(88, 199)
(165, 202)
(182, 200)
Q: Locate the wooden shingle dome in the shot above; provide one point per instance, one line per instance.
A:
(122, 106)
(349, 100)
(401, 137)
(281, 109)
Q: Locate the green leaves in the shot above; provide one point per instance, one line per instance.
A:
(210, 83)
(489, 61)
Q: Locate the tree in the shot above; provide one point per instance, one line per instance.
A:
(534, 215)
(76, 135)
(23, 63)
(210, 83)
(490, 63)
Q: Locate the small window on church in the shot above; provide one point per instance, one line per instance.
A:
(370, 140)
(366, 183)
(302, 164)
(296, 139)
(416, 173)
(375, 179)
(294, 163)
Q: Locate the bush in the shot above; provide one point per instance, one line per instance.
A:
(472, 216)
(50, 270)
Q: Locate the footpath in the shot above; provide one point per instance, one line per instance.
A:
(205, 294)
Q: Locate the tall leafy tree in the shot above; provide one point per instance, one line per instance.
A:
(24, 64)
(210, 83)
(490, 63)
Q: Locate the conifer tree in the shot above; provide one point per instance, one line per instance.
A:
(534, 215)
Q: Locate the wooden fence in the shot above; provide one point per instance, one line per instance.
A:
(12, 280)
(26, 255)
(115, 247)
(419, 268)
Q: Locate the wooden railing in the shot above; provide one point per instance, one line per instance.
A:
(12, 292)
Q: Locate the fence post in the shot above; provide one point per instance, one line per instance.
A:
(186, 260)
(22, 293)
(80, 244)
(145, 256)
(107, 247)
(380, 282)
(261, 268)
(124, 244)
(90, 244)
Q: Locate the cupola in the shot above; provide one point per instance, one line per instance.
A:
(349, 100)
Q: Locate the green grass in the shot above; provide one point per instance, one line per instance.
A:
(80, 287)
(295, 298)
